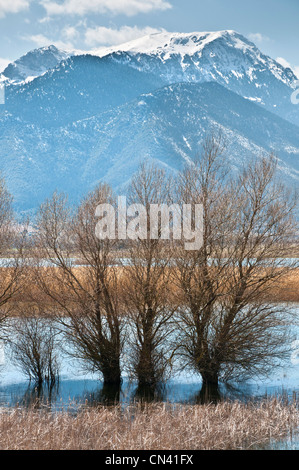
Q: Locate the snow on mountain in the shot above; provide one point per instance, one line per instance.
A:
(166, 126)
(165, 44)
(79, 84)
(92, 118)
(34, 64)
(77, 88)
(226, 57)
(201, 46)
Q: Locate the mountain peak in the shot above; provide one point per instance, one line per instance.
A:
(166, 43)
(34, 64)
(225, 56)
(91, 119)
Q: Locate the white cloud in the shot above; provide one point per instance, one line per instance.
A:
(287, 64)
(41, 41)
(93, 37)
(110, 36)
(13, 6)
(125, 7)
(38, 39)
(283, 62)
(258, 37)
(4, 63)
(70, 33)
(45, 19)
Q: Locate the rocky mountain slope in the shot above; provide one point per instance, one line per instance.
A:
(93, 118)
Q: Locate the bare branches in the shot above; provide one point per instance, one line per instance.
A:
(226, 328)
(147, 290)
(210, 305)
(84, 287)
(34, 345)
(13, 238)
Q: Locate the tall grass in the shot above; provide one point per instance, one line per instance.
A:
(151, 427)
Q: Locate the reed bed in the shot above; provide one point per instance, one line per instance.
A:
(285, 290)
(225, 426)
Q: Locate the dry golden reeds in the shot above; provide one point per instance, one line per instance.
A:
(151, 427)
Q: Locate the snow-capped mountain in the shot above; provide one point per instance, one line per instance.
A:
(92, 118)
(207, 55)
(33, 64)
(226, 57)
(220, 45)
(82, 83)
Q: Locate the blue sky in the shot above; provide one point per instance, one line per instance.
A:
(90, 24)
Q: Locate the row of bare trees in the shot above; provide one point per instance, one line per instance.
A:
(143, 304)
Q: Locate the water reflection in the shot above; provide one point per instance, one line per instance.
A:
(209, 393)
(70, 395)
(77, 387)
(149, 394)
(74, 395)
(107, 395)
(39, 396)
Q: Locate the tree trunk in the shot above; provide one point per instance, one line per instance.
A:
(210, 378)
(111, 371)
(110, 394)
(209, 392)
(146, 373)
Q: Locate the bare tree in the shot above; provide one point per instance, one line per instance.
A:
(83, 285)
(12, 254)
(147, 292)
(33, 343)
(227, 328)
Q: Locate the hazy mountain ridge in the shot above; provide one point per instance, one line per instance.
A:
(79, 87)
(109, 146)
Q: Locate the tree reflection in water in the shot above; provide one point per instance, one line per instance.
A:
(40, 396)
(209, 393)
(108, 395)
(149, 394)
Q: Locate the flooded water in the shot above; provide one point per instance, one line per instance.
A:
(77, 388)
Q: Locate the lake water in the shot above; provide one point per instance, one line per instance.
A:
(77, 387)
